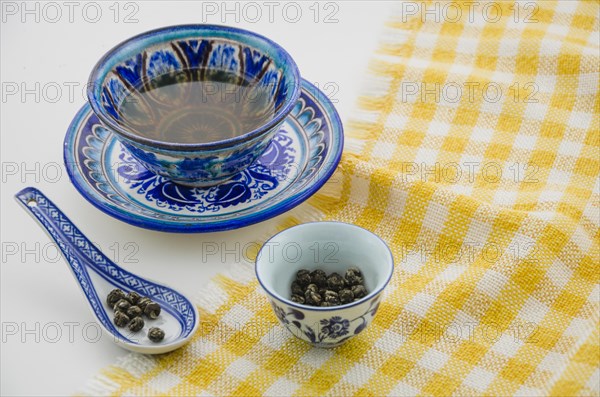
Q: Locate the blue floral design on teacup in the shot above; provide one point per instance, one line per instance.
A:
(193, 53)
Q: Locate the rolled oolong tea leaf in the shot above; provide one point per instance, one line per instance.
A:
(303, 277)
(359, 291)
(133, 297)
(312, 287)
(114, 296)
(332, 297)
(122, 305)
(335, 282)
(353, 276)
(156, 334)
(142, 302)
(346, 295)
(136, 324)
(312, 298)
(298, 298)
(152, 310)
(134, 311)
(121, 319)
(297, 289)
(319, 277)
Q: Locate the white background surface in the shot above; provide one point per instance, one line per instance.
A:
(48, 331)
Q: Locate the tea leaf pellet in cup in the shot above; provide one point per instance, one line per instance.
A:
(353, 276)
(332, 297)
(318, 277)
(346, 296)
(303, 277)
(297, 289)
(359, 291)
(312, 298)
(316, 288)
(335, 282)
(297, 298)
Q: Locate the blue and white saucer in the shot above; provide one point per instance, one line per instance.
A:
(303, 155)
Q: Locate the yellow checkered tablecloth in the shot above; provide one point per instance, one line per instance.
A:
(475, 155)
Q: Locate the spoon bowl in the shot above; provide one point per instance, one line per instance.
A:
(97, 276)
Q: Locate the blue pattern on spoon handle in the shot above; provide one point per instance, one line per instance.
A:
(81, 254)
(76, 248)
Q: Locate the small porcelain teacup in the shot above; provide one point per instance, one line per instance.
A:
(332, 247)
(190, 54)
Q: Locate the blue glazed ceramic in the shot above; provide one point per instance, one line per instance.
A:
(97, 276)
(301, 157)
(197, 51)
(332, 247)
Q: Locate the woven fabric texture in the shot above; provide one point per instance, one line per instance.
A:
(474, 153)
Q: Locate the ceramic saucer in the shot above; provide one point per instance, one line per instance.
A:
(302, 156)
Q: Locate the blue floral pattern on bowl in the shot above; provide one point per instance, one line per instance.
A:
(329, 329)
(301, 157)
(194, 53)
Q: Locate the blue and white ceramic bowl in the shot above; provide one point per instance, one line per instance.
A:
(333, 247)
(183, 48)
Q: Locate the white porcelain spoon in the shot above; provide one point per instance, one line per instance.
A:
(97, 276)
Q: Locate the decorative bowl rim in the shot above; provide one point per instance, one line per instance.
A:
(364, 299)
(130, 45)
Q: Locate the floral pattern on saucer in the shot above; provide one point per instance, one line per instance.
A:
(250, 185)
(302, 156)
